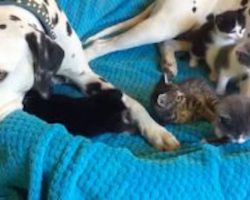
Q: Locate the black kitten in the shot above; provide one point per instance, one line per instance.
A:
(88, 116)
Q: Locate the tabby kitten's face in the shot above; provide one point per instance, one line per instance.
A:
(231, 24)
(233, 118)
(168, 102)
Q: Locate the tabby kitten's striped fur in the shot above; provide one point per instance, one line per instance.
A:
(188, 101)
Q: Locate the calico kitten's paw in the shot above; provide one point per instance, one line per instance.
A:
(193, 62)
(220, 91)
(169, 66)
(213, 77)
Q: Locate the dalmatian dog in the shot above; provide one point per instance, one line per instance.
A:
(37, 42)
(164, 20)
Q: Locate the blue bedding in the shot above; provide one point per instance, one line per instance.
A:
(44, 161)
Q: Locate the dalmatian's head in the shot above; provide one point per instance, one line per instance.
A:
(26, 60)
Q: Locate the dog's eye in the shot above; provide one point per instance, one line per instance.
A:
(3, 75)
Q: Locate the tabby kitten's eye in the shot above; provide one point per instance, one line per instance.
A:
(179, 98)
(3, 75)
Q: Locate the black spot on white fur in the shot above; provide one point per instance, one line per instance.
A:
(3, 26)
(194, 8)
(69, 30)
(47, 58)
(33, 26)
(55, 19)
(93, 88)
(14, 18)
(244, 2)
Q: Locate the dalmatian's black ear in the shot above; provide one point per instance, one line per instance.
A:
(47, 58)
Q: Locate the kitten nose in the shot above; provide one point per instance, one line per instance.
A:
(241, 139)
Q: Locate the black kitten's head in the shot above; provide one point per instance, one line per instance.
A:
(233, 118)
(231, 24)
(109, 112)
(166, 99)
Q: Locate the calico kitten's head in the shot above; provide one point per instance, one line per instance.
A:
(167, 102)
(231, 24)
(233, 118)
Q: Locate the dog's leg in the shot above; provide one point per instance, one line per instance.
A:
(157, 28)
(167, 51)
(121, 26)
(76, 68)
(155, 134)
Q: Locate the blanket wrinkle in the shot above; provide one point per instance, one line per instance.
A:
(44, 161)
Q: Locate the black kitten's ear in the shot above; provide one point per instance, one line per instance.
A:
(47, 58)
(243, 54)
(219, 20)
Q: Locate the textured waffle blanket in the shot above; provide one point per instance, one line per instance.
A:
(43, 161)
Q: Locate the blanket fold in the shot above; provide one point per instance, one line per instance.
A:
(57, 165)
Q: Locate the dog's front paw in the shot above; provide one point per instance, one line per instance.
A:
(161, 139)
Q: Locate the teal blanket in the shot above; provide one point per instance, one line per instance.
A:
(44, 161)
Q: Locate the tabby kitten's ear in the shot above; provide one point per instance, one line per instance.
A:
(171, 86)
(162, 100)
(243, 54)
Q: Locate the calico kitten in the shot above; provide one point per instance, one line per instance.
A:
(233, 118)
(232, 62)
(188, 101)
(220, 30)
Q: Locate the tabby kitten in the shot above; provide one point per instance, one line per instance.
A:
(220, 30)
(188, 101)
